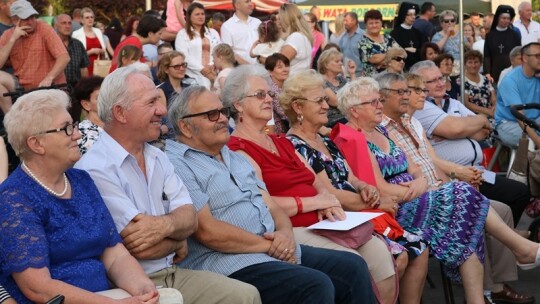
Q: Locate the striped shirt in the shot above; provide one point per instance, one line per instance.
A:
(3, 294)
(232, 191)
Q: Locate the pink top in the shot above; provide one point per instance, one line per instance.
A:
(318, 39)
(173, 24)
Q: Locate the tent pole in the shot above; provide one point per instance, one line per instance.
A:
(461, 53)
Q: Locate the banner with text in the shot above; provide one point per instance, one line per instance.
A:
(329, 12)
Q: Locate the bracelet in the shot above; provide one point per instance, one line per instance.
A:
(299, 205)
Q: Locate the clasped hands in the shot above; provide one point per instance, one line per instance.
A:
(283, 246)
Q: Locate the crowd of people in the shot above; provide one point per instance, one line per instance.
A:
(204, 152)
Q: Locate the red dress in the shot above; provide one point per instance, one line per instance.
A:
(284, 174)
(92, 43)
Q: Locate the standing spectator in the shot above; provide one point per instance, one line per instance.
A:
(277, 66)
(406, 35)
(479, 43)
(176, 18)
(350, 40)
(448, 39)
(110, 50)
(217, 21)
(197, 42)
(475, 21)
(530, 29)
(515, 59)
(37, 54)
(423, 22)
(269, 41)
(297, 47)
(468, 36)
(488, 21)
(76, 20)
(319, 41)
(131, 27)
(339, 29)
(78, 65)
(91, 38)
(500, 40)
(240, 31)
(5, 16)
(374, 44)
(480, 97)
(429, 51)
(316, 11)
(114, 32)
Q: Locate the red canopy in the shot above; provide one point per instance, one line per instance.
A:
(267, 6)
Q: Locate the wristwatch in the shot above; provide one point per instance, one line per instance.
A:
(453, 175)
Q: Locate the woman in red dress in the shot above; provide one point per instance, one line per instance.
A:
(91, 38)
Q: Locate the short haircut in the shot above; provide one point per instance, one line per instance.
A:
(326, 57)
(33, 113)
(441, 57)
(394, 51)
(76, 12)
(426, 7)
(472, 54)
(446, 13)
(515, 52)
(352, 15)
(218, 17)
(294, 88)
(181, 104)
(525, 48)
(85, 87)
(386, 80)
(164, 45)
(353, 91)
(272, 60)
(165, 62)
(331, 45)
(522, 5)
(415, 80)
(87, 10)
(116, 91)
(373, 15)
(149, 24)
(426, 46)
(474, 14)
(422, 65)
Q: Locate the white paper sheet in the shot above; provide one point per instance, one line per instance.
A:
(353, 219)
(489, 176)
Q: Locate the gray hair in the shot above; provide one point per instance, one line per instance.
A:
(422, 65)
(515, 52)
(237, 85)
(393, 52)
(143, 68)
(33, 113)
(386, 80)
(522, 5)
(115, 90)
(349, 95)
(181, 104)
(447, 13)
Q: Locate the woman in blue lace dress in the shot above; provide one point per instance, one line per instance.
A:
(56, 233)
(451, 217)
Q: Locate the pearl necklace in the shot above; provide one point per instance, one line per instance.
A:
(51, 191)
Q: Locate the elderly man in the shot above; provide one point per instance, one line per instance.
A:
(149, 203)
(515, 60)
(38, 56)
(240, 31)
(530, 29)
(453, 131)
(78, 65)
(520, 86)
(349, 41)
(500, 263)
(242, 232)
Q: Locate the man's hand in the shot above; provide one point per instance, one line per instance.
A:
(19, 31)
(182, 251)
(470, 175)
(46, 82)
(143, 232)
(283, 245)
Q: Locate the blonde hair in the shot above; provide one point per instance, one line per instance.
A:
(340, 26)
(293, 21)
(165, 61)
(294, 88)
(325, 57)
(87, 10)
(415, 80)
(393, 52)
(225, 52)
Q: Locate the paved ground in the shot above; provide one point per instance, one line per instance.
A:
(528, 283)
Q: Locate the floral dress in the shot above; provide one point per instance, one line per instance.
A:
(334, 115)
(280, 119)
(89, 135)
(480, 91)
(451, 218)
(338, 173)
(368, 48)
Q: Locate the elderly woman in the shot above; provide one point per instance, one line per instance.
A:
(86, 93)
(448, 38)
(196, 42)
(302, 195)
(299, 40)
(278, 67)
(91, 38)
(424, 209)
(51, 243)
(330, 66)
(332, 169)
(374, 44)
(394, 60)
(480, 97)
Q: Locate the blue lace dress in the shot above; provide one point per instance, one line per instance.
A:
(450, 218)
(68, 236)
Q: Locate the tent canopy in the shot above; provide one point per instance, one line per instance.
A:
(267, 6)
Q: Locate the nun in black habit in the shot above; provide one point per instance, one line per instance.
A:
(406, 35)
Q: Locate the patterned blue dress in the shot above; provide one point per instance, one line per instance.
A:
(451, 218)
(68, 236)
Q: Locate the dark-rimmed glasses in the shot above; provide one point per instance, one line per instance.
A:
(449, 20)
(418, 90)
(212, 115)
(179, 66)
(438, 79)
(373, 102)
(261, 95)
(68, 129)
(537, 55)
(398, 58)
(319, 100)
(400, 92)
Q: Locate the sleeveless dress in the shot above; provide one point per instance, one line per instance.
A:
(92, 43)
(284, 174)
(451, 218)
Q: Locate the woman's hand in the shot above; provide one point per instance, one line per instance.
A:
(95, 51)
(148, 297)
(415, 187)
(389, 204)
(351, 68)
(326, 200)
(332, 214)
(370, 195)
(470, 175)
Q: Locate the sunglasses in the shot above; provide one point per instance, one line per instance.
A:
(373, 102)
(399, 59)
(400, 92)
(261, 95)
(179, 66)
(449, 20)
(319, 100)
(212, 115)
(418, 90)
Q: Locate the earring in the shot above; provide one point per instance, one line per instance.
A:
(300, 118)
(240, 118)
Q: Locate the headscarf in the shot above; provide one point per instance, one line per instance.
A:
(404, 10)
(502, 9)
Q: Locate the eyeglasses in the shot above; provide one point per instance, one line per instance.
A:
(419, 91)
(261, 95)
(449, 20)
(400, 92)
(319, 100)
(68, 129)
(179, 66)
(399, 59)
(373, 102)
(537, 55)
(439, 79)
(212, 115)
(89, 17)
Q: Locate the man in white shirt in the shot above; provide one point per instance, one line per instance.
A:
(530, 29)
(240, 31)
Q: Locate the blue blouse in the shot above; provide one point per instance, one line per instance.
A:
(68, 236)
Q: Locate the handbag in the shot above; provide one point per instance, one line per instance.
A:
(353, 238)
(520, 167)
(101, 67)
